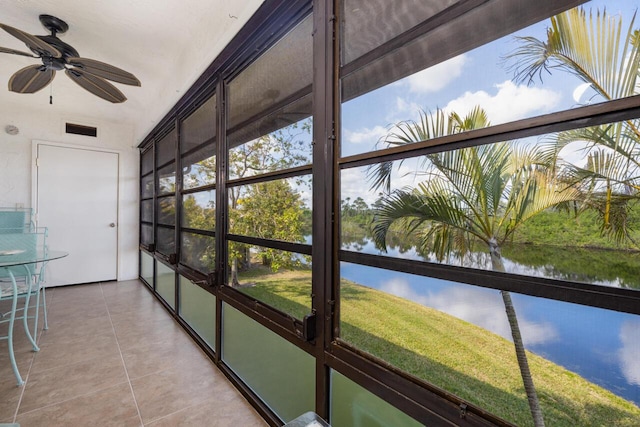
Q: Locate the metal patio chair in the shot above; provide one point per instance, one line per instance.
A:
(15, 219)
(23, 281)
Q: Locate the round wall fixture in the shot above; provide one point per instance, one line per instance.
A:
(11, 130)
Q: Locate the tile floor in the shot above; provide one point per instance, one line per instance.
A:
(113, 356)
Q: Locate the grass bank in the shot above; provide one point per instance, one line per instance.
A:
(458, 356)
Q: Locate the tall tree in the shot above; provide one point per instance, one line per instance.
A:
(598, 50)
(478, 194)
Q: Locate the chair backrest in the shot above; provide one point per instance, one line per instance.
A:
(29, 244)
(15, 218)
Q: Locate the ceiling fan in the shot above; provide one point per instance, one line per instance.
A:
(57, 55)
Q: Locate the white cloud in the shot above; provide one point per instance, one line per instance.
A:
(437, 77)
(404, 110)
(365, 136)
(478, 306)
(629, 353)
(511, 102)
(354, 184)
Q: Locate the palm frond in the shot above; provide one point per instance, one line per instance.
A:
(592, 47)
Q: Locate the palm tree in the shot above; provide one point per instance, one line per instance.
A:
(477, 194)
(605, 56)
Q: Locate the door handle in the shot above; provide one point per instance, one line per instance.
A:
(113, 224)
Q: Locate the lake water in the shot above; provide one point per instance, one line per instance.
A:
(602, 346)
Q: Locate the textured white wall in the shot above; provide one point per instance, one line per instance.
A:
(47, 124)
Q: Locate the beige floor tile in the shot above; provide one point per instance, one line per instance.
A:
(145, 359)
(131, 303)
(158, 332)
(78, 312)
(64, 329)
(150, 313)
(58, 353)
(169, 391)
(113, 406)
(55, 385)
(74, 294)
(218, 412)
(10, 393)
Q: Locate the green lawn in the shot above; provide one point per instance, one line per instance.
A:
(455, 355)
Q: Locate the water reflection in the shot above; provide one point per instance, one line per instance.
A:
(630, 351)
(482, 307)
(599, 267)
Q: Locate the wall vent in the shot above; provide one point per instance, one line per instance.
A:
(81, 130)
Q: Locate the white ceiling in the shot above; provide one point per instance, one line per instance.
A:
(167, 44)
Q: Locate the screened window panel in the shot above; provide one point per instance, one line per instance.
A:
(146, 210)
(282, 149)
(146, 234)
(167, 179)
(198, 252)
(279, 77)
(166, 284)
(277, 210)
(147, 162)
(166, 243)
(352, 405)
(284, 117)
(146, 267)
(167, 210)
(198, 309)
(199, 210)
(424, 325)
(146, 186)
(281, 374)
(166, 148)
(553, 243)
(281, 279)
(199, 127)
(199, 167)
(369, 24)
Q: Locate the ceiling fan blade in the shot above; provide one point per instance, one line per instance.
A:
(96, 85)
(16, 52)
(31, 79)
(35, 44)
(105, 71)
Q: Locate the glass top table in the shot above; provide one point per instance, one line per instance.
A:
(11, 258)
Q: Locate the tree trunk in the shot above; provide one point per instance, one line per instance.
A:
(234, 273)
(523, 363)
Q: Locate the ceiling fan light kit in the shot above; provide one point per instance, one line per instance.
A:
(57, 55)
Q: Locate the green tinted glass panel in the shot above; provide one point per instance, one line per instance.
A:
(198, 309)
(146, 267)
(276, 370)
(166, 284)
(353, 406)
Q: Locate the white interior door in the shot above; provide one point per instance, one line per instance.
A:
(77, 200)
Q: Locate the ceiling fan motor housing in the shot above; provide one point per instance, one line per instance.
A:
(66, 50)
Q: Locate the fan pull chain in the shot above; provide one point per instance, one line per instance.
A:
(51, 94)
